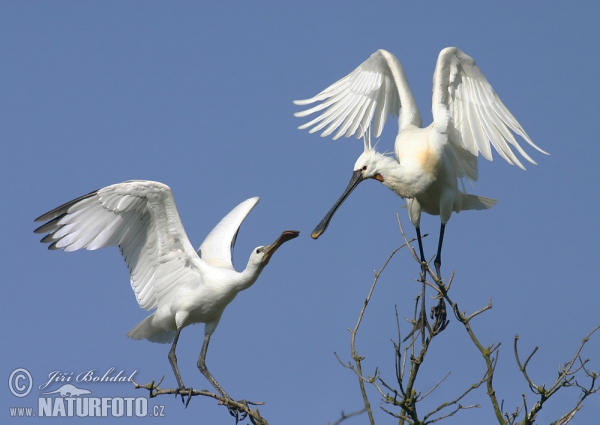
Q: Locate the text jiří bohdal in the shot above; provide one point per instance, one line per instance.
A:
(91, 375)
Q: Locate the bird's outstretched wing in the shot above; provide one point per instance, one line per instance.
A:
(466, 106)
(142, 219)
(371, 92)
(217, 248)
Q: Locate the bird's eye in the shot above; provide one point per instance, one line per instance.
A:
(364, 167)
(258, 250)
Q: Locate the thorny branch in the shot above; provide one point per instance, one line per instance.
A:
(240, 410)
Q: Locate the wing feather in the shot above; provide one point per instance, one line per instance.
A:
(367, 95)
(476, 118)
(355, 114)
(142, 219)
(490, 123)
(384, 106)
(217, 247)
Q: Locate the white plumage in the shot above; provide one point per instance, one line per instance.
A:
(167, 274)
(468, 118)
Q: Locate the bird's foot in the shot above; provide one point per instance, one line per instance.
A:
(438, 313)
(241, 411)
(232, 406)
(182, 391)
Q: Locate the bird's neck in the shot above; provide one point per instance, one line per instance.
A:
(247, 278)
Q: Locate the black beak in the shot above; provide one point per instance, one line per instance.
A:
(357, 177)
(287, 235)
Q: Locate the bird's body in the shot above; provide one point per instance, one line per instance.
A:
(201, 301)
(167, 274)
(424, 174)
(468, 117)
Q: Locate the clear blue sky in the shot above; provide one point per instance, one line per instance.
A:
(199, 96)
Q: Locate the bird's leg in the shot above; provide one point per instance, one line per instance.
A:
(173, 361)
(204, 370)
(438, 259)
(423, 316)
(421, 248)
(422, 323)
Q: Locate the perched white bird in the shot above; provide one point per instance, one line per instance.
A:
(167, 274)
(468, 116)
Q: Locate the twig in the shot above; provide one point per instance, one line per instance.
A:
(238, 409)
(354, 354)
(406, 396)
(566, 378)
(486, 352)
(434, 387)
(345, 416)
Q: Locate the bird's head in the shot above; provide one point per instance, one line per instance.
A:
(261, 255)
(367, 166)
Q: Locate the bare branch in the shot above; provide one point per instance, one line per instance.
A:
(458, 408)
(345, 416)
(523, 367)
(455, 401)
(238, 409)
(481, 310)
(565, 419)
(566, 378)
(354, 354)
(410, 353)
(434, 387)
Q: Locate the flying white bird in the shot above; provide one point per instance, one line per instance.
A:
(468, 116)
(167, 274)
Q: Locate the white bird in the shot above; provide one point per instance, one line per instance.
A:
(468, 116)
(167, 274)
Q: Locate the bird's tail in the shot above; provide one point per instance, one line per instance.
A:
(147, 330)
(474, 202)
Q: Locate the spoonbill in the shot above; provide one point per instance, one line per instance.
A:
(468, 116)
(183, 285)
